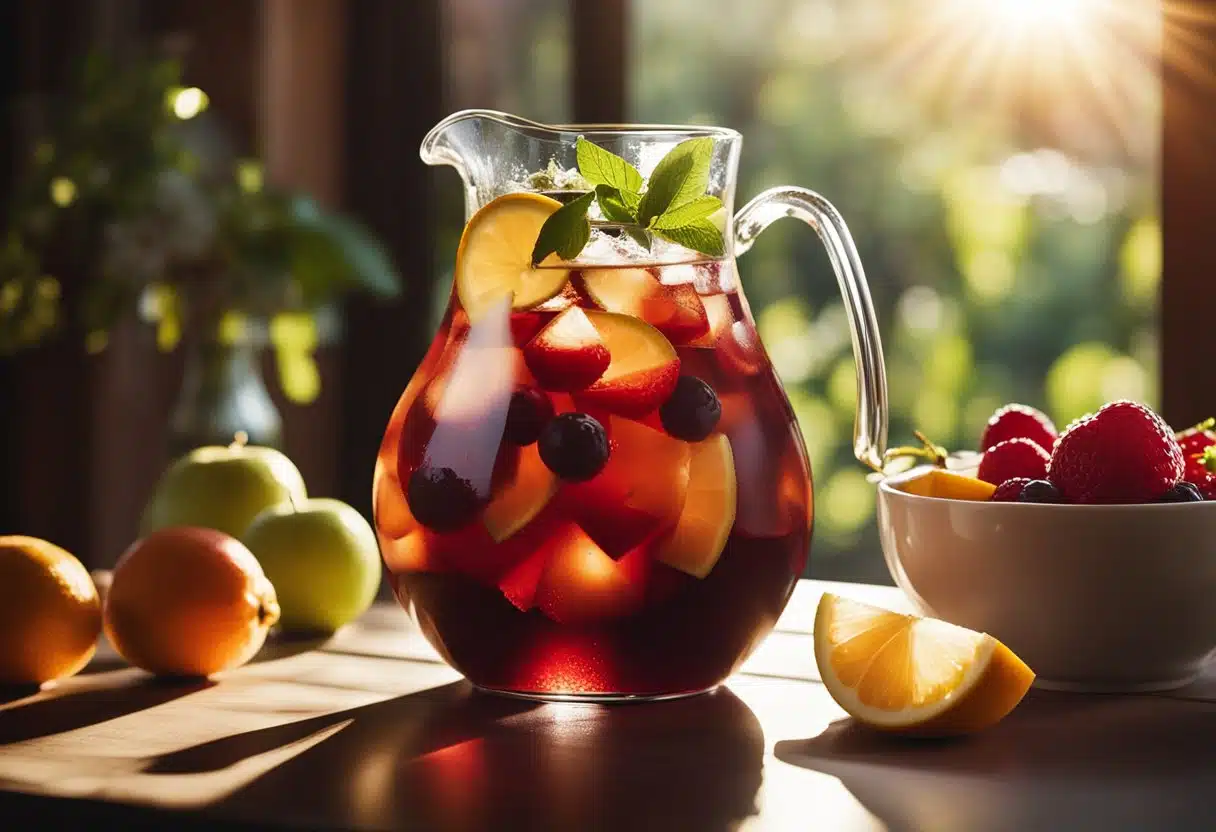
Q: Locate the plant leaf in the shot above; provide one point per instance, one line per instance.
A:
(603, 167)
(565, 232)
(614, 208)
(338, 240)
(686, 213)
(680, 176)
(700, 235)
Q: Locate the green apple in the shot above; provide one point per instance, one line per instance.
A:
(321, 555)
(222, 488)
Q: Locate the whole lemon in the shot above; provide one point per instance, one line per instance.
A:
(50, 615)
(187, 601)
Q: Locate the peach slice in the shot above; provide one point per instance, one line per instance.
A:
(697, 541)
(580, 583)
(639, 493)
(643, 371)
(568, 353)
(675, 310)
(517, 503)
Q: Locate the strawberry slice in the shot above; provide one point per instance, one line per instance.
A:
(675, 310)
(638, 494)
(568, 353)
(643, 371)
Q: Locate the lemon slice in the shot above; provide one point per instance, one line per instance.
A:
(914, 675)
(697, 541)
(495, 255)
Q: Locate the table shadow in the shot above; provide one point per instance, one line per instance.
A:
(70, 710)
(1056, 761)
(452, 758)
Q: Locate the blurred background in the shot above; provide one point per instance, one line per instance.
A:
(999, 163)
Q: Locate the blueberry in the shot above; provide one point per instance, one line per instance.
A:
(530, 410)
(441, 499)
(1183, 492)
(1040, 491)
(574, 446)
(693, 410)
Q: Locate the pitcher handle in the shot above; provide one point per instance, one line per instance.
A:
(870, 428)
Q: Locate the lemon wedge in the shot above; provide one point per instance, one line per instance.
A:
(914, 675)
(495, 255)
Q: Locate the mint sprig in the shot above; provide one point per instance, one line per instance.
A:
(565, 232)
(673, 204)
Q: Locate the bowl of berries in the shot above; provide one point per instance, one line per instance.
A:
(1091, 553)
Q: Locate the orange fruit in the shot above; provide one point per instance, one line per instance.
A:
(913, 675)
(950, 485)
(697, 541)
(187, 601)
(495, 255)
(50, 615)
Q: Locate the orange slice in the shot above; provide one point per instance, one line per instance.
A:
(938, 482)
(495, 255)
(697, 541)
(519, 502)
(914, 675)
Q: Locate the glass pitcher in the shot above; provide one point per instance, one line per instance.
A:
(594, 487)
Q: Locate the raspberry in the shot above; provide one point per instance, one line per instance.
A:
(1013, 458)
(1124, 453)
(1019, 421)
(1008, 491)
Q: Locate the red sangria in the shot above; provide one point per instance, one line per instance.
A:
(594, 485)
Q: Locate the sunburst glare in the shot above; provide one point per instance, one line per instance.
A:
(1079, 73)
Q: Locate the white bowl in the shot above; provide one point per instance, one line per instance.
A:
(1093, 598)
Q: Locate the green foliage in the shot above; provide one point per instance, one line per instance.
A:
(120, 193)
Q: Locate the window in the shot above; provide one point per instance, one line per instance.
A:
(997, 164)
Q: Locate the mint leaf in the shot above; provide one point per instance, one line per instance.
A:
(613, 205)
(602, 167)
(565, 232)
(680, 176)
(700, 235)
(686, 213)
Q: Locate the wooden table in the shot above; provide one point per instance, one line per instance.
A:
(372, 731)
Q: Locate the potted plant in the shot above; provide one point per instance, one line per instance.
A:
(133, 193)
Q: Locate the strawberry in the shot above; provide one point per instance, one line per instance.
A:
(1124, 453)
(1018, 457)
(1197, 439)
(1200, 471)
(1018, 420)
(1009, 490)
